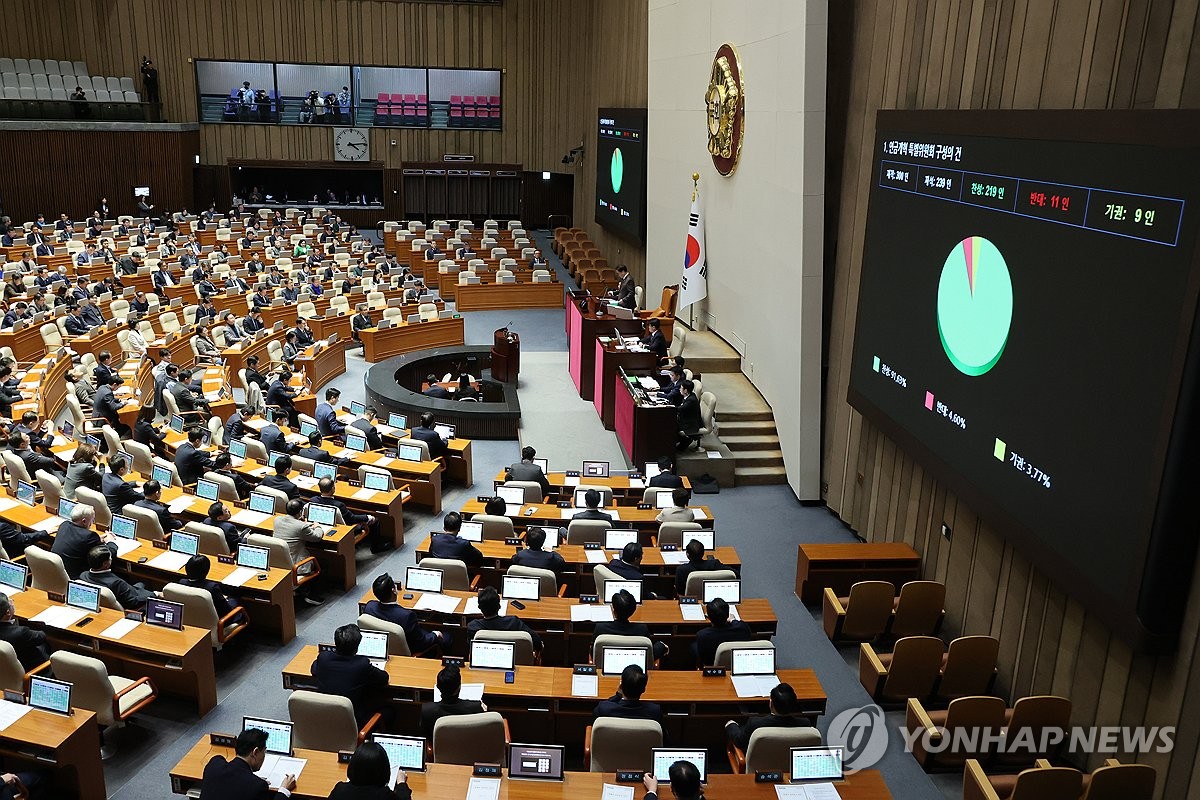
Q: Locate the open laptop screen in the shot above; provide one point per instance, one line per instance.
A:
(253, 557)
(595, 469)
(614, 660)
(612, 587)
(471, 531)
(617, 538)
(753, 661)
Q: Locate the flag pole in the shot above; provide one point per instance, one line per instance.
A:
(692, 306)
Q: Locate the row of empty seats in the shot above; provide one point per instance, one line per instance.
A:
(22, 80)
(467, 111)
(401, 109)
(62, 95)
(47, 66)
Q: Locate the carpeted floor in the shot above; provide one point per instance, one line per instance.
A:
(765, 523)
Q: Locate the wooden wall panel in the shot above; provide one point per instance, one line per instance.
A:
(927, 54)
(69, 170)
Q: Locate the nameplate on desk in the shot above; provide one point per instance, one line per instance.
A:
(56, 597)
(344, 756)
(589, 598)
(635, 476)
(684, 600)
(513, 540)
(226, 560)
(222, 739)
(668, 548)
(592, 546)
(159, 545)
(644, 506)
(487, 771)
(585, 669)
(14, 697)
(713, 672)
(327, 648)
(453, 661)
(572, 473)
(483, 498)
(768, 776)
(136, 616)
(355, 484)
(630, 776)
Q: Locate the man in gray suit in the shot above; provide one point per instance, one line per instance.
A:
(526, 470)
(291, 528)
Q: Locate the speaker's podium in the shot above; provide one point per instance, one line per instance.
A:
(506, 356)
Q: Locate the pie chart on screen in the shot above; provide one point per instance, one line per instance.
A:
(616, 170)
(974, 305)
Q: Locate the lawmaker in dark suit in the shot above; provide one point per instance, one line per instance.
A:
(489, 607)
(526, 470)
(253, 375)
(343, 672)
(591, 499)
(449, 684)
(627, 702)
(688, 419)
(222, 465)
(447, 544)
(118, 492)
(385, 607)
(784, 708)
(151, 501)
(434, 390)
(697, 562)
(367, 522)
(131, 596)
(326, 415)
(282, 395)
(235, 426)
(720, 630)
(534, 556)
(654, 341)
(365, 423)
(19, 446)
(314, 452)
(218, 517)
(235, 779)
(29, 645)
(196, 570)
(192, 461)
(425, 433)
(280, 481)
(273, 437)
(624, 606)
(666, 477)
(628, 564)
(626, 292)
(368, 775)
(105, 404)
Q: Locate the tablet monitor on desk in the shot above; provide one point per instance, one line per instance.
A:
(68, 430)
(651, 470)
(543, 464)
(408, 452)
(581, 494)
(207, 489)
(65, 507)
(177, 423)
(471, 531)
(614, 660)
(274, 456)
(253, 557)
(262, 502)
(535, 762)
(12, 575)
(633, 587)
(357, 408)
(162, 475)
(753, 661)
(321, 514)
(729, 591)
(595, 469)
(397, 420)
(323, 469)
(356, 443)
(664, 757)
(519, 587)
(403, 752)
(306, 428)
(184, 542)
(708, 538)
(83, 595)
(421, 579)
(664, 499)
(237, 448)
(487, 654)
(164, 613)
(94, 441)
(817, 764)
(26, 493)
(373, 645)
(617, 538)
(377, 481)
(279, 733)
(50, 695)
(511, 495)
(124, 527)
(444, 430)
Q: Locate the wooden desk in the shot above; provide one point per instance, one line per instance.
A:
(179, 662)
(695, 708)
(67, 747)
(659, 575)
(582, 330)
(323, 772)
(489, 297)
(26, 343)
(646, 432)
(643, 519)
(840, 566)
(610, 358)
(567, 642)
(404, 338)
(626, 490)
(324, 366)
(325, 327)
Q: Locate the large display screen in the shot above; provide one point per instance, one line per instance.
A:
(621, 171)
(1025, 324)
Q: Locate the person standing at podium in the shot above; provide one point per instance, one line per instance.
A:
(625, 294)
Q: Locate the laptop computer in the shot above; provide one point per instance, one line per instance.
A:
(306, 428)
(356, 443)
(184, 542)
(471, 531)
(124, 527)
(237, 449)
(535, 762)
(816, 764)
(408, 452)
(164, 613)
(617, 538)
(67, 430)
(262, 502)
(633, 587)
(614, 660)
(374, 645)
(357, 408)
(176, 423)
(513, 497)
(663, 757)
(50, 695)
(422, 579)
(519, 587)
(65, 507)
(26, 493)
(487, 654)
(729, 591)
(595, 469)
(753, 661)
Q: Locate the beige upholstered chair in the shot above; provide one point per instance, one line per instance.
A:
(861, 617)
(525, 654)
(770, 749)
(723, 656)
(585, 531)
(47, 570)
(199, 612)
(547, 580)
(612, 640)
(611, 743)
(455, 576)
(325, 722)
(470, 738)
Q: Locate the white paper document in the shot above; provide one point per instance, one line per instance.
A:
(734, 615)
(119, 628)
(571, 480)
(612, 791)
(674, 557)
(11, 712)
(648, 383)
(384, 461)
(698, 514)
(248, 517)
(305, 481)
(275, 767)
(714, 454)
(239, 576)
(364, 494)
(50, 523)
(585, 685)
(181, 504)
(170, 561)
(60, 616)
(637, 483)
(581, 612)
(5, 504)
(806, 791)
(469, 691)
(441, 603)
(596, 556)
(692, 612)
(483, 789)
(754, 685)
(127, 545)
(261, 472)
(343, 453)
